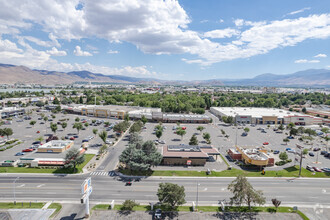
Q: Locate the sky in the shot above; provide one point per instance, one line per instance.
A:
(167, 39)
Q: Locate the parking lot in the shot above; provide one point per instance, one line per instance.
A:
(26, 133)
(255, 138)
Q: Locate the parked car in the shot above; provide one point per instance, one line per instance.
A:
(290, 137)
(327, 155)
(317, 169)
(311, 154)
(128, 183)
(276, 151)
(265, 143)
(158, 214)
(325, 169)
(36, 142)
(19, 154)
(287, 149)
(72, 138)
(162, 142)
(263, 131)
(85, 140)
(291, 151)
(21, 120)
(316, 149)
(108, 142)
(324, 152)
(42, 123)
(75, 136)
(244, 134)
(310, 168)
(38, 132)
(27, 150)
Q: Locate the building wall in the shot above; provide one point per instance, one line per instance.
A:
(55, 150)
(269, 120)
(183, 161)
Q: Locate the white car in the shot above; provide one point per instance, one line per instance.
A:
(162, 142)
(108, 142)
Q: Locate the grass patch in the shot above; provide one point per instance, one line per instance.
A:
(146, 208)
(79, 168)
(57, 207)
(224, 160)
(287, 172)
(26, 205)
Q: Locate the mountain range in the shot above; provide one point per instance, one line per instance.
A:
(11, 74)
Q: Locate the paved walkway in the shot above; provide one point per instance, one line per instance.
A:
(101, 215)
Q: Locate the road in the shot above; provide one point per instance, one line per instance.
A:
(305, 192)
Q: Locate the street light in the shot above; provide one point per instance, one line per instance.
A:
(14, 190)
(197, 197)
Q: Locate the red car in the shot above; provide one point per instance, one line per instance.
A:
(38, 132)
(265, 143)
(317, 169)
(72, 138)
(184, 128)
(27, 150)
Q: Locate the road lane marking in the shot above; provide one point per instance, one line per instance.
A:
(40, 185)
(21, 186)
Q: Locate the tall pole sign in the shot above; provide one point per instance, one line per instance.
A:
(300, 153)
(86, 191)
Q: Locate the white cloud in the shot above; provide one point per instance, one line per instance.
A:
(55, 52)
(156, 27)
(113, 51)
(8, 46)
(42, 43)
(321, 55)
(221, 33)
(221, 21)
(306, 61)
(239, 22)
(299, 11)
(204, 21)
(79, 52)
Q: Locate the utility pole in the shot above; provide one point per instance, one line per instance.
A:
(197, 197)
(236, 137)
(301, 157)
(15, 190)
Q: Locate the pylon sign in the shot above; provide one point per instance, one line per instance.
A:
(86, 190)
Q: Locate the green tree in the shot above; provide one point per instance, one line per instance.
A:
(310, 132)
(245, 193)
(325, 130)
(7, 132)
(286, 140)
(86, 124)
(207, 138)
(276, 203)
(102, 149)
(290, 125)
(126, 117)
(139, 157)
(283, 156)
(103, 135)
(293, 131)
(53, 127)
(281, 127)
(246, 129)
(200, 129)
(135, 138)
(64, 125)
(170, 194)
(136, 127)
(32, 123)
(181, 132)
(305, 151)
(128, 205)
(193, 140)
(159, 133)
(78, 126)
(73, 158)
(77, 119)
(95, 131)
(304, 110)
(144, 119)
(223, 132)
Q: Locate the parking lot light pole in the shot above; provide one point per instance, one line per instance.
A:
(14, 190)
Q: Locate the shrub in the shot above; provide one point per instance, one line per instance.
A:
(128, 205)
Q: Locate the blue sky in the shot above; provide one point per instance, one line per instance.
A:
(187, 39)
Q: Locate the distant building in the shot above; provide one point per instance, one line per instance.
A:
(252, 156)
(11, 112)
(251, 115)
(187, 154)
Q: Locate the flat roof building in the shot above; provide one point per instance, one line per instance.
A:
(187, 154)
(10, 112)
(251, 115)
(252, 156)
(55, 146)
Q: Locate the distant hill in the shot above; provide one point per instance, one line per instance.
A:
(311, 77)
(10, 74)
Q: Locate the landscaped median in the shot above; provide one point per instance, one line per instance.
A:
(286, 172)
(79, 168)
(207, 209)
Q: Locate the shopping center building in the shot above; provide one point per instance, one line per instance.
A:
(251, 115)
